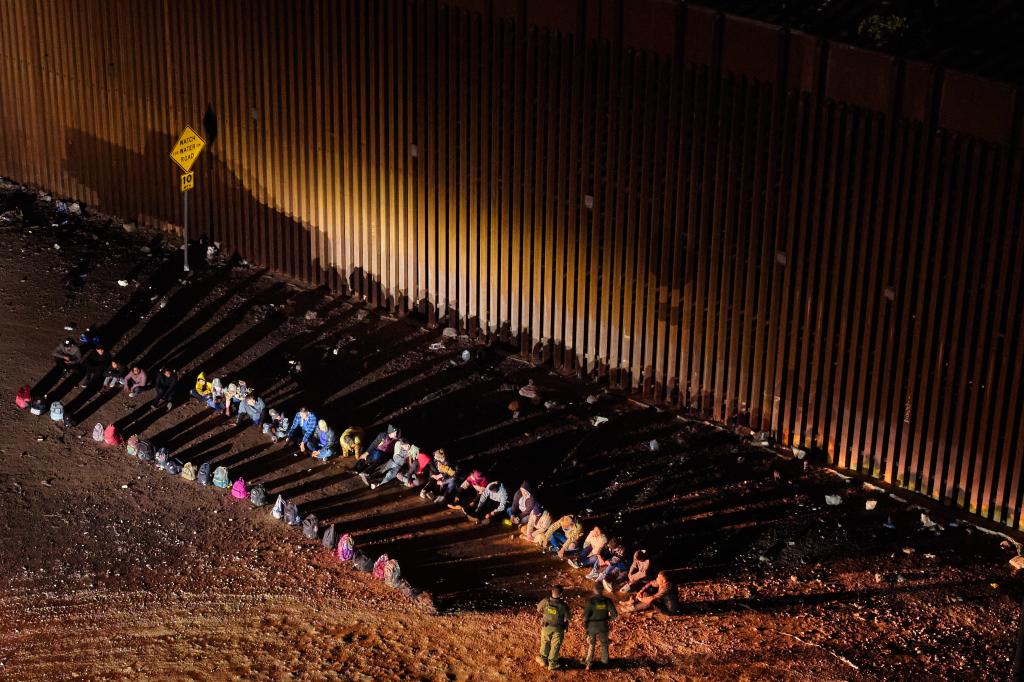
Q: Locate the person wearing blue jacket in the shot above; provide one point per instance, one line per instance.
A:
(303, 423)
(321, 444)
(252, 407)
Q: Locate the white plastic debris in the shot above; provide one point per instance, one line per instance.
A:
(926, 521)
(870, 504)
(833, 500)
(597, 421)
(122, 282)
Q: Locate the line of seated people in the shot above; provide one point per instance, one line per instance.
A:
(391, 458)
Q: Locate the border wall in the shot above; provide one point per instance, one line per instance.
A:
(723, 215)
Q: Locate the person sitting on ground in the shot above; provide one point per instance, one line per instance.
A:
(351, 442)
(276, 426)
(202, 391)
(524, 502)
(252, 407)
(216, 401)
(640, 571)
(234, 395)
(415, 474)
(564, 535)
(321, 445)
(441, 481)
(166, 381)
(230, 398)
(113, 377)
(304, 424)
(592, 544)
(609, 565)
(536, 526)
(469, 491)
(67, 356)
(492, 502)
(135, 381)
(660, 592)
(401, 453)
(380, 450)
(96, 363)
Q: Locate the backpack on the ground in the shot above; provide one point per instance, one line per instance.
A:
(57, 411)
(37, 407)
(346, 548)
(97, 432)
(311, 527)
(111, 436)
(23, 397)
(378, 566)
(278, 511)
(240, 491)
(188, 471)
(291, 514)
(173, 466)
(131, 445)
(392, 573)
(361, 562)
(330, 538)
(203, 474)
(258, 495)
(221, 478)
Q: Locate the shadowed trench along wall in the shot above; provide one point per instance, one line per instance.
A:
(718, 213)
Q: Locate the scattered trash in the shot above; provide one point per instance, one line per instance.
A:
(128, 227)
(591, 399)
(799, 454)
(926, 522)
(878, 577)
(124, 486)
(870, 504)
(57, 247)
(550, 404)
(833, 500)
(310, 315)
(450, 332)
(61, 207)
(47, 482)
(654, 445)
(145, 249)
(122, 282)
(466, 356)
(68, 327)
(597, 421)
(908, 550)
(75, 208)
(211, 254)
(1017, 562)
(929, 556)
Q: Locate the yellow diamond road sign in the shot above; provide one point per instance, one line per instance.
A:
(187, 149)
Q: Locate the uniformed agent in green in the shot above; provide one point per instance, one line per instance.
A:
(600, 609)
(555, 616)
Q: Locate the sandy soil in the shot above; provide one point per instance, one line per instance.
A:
(111, 569)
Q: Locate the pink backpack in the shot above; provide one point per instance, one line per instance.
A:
(239, 490)
(24, 397)
(346, 548)
(378, 566)
(111, 436)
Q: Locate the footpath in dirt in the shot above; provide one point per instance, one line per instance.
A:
(111, 569)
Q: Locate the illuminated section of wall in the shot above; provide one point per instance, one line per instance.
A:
(718, 213)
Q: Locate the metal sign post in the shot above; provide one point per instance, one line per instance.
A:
(184, 153)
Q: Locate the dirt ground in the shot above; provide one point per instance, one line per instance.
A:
(111, 569)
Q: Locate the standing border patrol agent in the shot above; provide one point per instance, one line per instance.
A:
(555, 615)
(599, 610)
